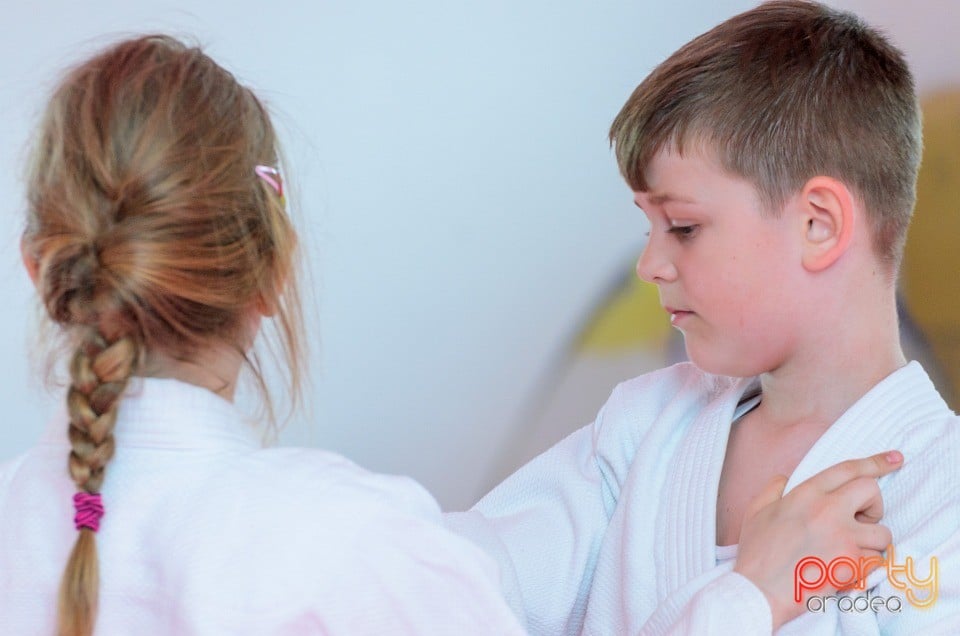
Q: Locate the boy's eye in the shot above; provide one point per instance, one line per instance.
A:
(683, 231)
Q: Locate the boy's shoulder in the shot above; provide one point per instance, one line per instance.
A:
(679, 391)
(683, 377)
(922, 499)
(655, 410)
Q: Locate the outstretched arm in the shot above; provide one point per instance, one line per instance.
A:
(544, 525)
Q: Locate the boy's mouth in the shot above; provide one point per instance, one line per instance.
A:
(677, 314)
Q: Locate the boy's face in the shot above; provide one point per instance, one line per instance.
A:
(725, 270)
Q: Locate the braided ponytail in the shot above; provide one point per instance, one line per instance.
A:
(99, 372)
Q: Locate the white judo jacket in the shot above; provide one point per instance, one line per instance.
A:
(613, 530)
(207, 533)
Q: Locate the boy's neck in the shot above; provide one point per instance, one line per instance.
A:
(839, 364)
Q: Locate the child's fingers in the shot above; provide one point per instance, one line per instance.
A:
(873, 537)
(874, 466)
(772, 492)
(861, 499)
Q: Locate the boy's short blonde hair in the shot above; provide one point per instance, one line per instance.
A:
(782, 93)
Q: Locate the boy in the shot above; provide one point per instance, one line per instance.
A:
(775, 157)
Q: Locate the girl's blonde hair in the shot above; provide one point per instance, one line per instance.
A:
(152, 234)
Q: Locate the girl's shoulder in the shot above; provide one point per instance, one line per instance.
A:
(334, 480)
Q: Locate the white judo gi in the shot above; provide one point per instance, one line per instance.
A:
(613, 530)
(205, 533)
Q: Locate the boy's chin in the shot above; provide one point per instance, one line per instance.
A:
(716, 363)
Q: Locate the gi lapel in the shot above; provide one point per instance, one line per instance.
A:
(687, 524)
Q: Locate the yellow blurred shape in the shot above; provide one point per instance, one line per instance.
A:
(931, 266)
(631, 319)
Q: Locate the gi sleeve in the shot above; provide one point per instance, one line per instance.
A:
(544, 526)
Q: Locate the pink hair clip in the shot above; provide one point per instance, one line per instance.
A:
(272, 177)
(89, 509)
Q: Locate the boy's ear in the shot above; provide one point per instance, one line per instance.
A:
(30, 263)
(827, 212)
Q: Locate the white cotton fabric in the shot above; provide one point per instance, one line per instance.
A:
(207, 533)
(613, 530)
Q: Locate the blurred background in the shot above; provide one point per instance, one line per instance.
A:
(469, 242)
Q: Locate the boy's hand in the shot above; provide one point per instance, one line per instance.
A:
(834, 513)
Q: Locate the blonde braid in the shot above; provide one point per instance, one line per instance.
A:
(99, 372)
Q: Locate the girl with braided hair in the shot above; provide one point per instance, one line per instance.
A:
(158, 240)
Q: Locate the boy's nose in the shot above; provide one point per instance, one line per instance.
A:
(653, 266)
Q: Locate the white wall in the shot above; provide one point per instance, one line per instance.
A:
(458, 201)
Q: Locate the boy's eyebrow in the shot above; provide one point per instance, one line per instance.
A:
(666, 197)
(659, 199)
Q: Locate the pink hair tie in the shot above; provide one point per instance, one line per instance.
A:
(271, 176)
(89, 510)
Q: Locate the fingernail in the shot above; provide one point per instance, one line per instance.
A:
(894, 457)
